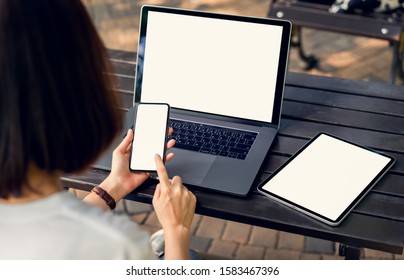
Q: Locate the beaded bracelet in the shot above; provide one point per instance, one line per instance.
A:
(105, 196)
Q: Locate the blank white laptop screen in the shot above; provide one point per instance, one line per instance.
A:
(199, 64)
(327, 178)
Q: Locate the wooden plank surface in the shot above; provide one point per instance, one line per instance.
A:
(369, 114)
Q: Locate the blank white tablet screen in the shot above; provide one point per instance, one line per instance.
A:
(327, 176)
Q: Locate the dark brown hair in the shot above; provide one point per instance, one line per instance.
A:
(57, 105)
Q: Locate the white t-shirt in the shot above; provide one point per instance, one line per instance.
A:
(63, 227)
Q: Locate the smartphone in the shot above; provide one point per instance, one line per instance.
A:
(150, 129)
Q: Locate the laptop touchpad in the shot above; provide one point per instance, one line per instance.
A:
(190, 168)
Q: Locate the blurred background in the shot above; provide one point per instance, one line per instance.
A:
(342, 56)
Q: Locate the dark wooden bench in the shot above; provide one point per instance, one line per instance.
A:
(388, 27)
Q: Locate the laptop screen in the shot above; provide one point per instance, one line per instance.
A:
(220, 64)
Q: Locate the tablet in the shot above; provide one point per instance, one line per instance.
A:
(327, 177)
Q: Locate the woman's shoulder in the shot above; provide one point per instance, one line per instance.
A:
(116, 230)
(92, 216)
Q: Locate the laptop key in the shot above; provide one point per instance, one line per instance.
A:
(231, 144)
(238, 151)
(207, 145)
(242, 146)
(205, 150)
(249, 137)
(186, 147)
(198, 144)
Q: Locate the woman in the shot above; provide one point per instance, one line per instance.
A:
(58, 112)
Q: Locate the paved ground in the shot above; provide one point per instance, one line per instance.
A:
(340, 56)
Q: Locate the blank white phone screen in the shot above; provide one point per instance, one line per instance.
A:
(150, 136)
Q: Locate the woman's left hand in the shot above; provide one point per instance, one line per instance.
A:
(121, 181)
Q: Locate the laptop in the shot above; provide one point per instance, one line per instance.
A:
(223, 76)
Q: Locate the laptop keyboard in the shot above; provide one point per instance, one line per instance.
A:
(209, 139)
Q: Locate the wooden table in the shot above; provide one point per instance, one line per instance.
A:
(371, 114)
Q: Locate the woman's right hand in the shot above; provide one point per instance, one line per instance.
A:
(175, 207)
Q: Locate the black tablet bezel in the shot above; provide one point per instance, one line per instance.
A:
(316, 215)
